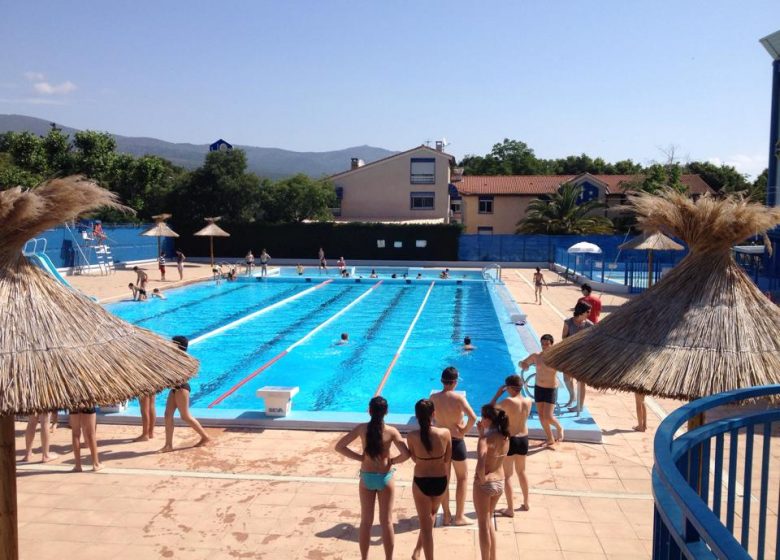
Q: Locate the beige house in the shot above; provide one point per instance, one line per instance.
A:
(493, 204)
(413, 186)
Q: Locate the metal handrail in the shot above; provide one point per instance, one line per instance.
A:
(684, 523)
(34, 241)
(491, 267)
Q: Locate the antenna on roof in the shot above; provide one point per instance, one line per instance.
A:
(444, 142)
(428, 143)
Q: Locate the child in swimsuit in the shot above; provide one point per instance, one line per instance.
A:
(376, 472)
(492, 447)
(431, 450)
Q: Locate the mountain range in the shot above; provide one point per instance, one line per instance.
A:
(265, 162)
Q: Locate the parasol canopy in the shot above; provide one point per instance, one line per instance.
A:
(704, 328)
(160, 229)
(584, 247)
(211, 231)
(652, 242)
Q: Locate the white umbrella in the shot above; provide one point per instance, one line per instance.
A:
(584, 247)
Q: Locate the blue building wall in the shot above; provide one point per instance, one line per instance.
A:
(125, 241)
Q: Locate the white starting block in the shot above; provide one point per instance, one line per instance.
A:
(278, 400)
(119, 407)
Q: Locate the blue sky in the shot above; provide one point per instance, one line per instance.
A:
(610, 78)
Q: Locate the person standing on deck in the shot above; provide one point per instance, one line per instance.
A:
(450, 410)
(180, 264)
(265, 258)
(593, 301)
(579, 321)
(323, 262)
(538, 283)
(545, 391)
(250, 262)
(161, 265)
(517, 408)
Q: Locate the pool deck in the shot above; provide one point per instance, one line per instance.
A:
(287, 494)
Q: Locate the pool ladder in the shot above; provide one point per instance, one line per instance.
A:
(486, 272)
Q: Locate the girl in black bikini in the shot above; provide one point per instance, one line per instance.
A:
(431, 450)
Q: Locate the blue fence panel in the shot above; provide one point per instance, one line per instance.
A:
(126, 242)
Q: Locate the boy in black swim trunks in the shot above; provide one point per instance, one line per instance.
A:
(451, 407)
(545, 391)
(517, 408)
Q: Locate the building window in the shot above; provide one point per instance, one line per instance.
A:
(485, 230)
(485, 204)
(422, 201)
(423, 171)
(455, 206)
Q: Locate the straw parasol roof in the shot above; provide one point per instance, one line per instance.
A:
(652, 242)
(704, 328)
(58, 349)
(212, 230)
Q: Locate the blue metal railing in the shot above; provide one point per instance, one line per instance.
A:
(689, 515)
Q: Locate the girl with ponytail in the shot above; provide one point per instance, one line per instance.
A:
(376, 472)
(431, 450)
(492, 447)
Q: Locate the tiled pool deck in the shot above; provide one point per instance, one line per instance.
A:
(286, 494)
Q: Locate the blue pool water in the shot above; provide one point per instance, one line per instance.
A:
(234, 334)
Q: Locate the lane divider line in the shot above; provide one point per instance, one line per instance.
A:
(257, 313)
(287, 350)
(403, 342)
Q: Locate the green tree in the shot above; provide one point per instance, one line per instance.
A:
(298, 198)
(561, 213)
(94, 154)
(59, 157)
(26, 150)
(220, 187)
(757, 191)
(720, 177)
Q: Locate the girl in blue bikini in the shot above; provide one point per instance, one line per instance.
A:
(376, 472)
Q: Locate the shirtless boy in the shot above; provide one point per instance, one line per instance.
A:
(545, 391)
(538, 283)
(517, 408)
(450, 409)
(141, 277)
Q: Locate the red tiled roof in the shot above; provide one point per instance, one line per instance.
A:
(548, 184)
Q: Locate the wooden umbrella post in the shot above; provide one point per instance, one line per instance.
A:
(9, 533)
(211, 249)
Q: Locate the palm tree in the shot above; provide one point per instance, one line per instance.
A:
(560, 213)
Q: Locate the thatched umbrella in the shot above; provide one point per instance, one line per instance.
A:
(651, 242)
(703, 328)
(58, 349)
(160, 229)
(212, 230)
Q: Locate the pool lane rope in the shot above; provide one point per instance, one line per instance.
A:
(289, 349)
(262, 311)
(403, 342)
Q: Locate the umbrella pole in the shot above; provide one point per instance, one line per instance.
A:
(211, 250)
(9, 535)
(693, 423)
(158, 247)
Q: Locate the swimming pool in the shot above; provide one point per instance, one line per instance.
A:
(285, 331)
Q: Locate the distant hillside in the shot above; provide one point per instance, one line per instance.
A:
(266, 162)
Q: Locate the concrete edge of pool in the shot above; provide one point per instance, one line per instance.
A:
(581, 429)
